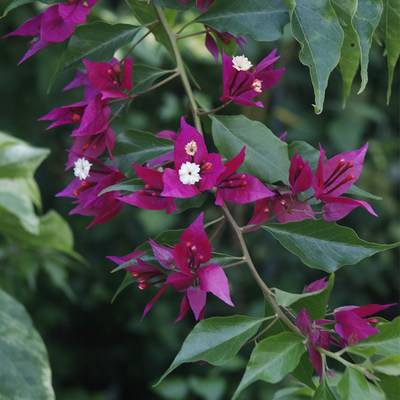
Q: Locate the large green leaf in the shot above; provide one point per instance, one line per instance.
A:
(272, 359)
(19, 158)
(133, 146)
(304, 371)
(353, 385)
(389, 365)
(314, 302)
(390, 27)
(263, 19)
(14, 201)
(323, 392)
(215, 340)
(95, 42)
(174, 5)
(366, 20)
(54, 233)
(317, 29)
(387, 341)
(324, 245)
(350, 52)
(266, 155)
(307, 152)
(24, 368)
(390, 386)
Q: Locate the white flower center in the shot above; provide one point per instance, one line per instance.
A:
(241, 63)
(82, 168)
(189, 173)
(256, 85)
(191, 148)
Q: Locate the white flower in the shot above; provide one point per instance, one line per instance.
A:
(191, 148)
(189, 173)
(241, 63)
(82, 168)
(256, 85)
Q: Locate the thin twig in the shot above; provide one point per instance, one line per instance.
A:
(215, 109)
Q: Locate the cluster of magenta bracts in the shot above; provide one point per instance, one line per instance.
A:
(348, 327)
(56, 24)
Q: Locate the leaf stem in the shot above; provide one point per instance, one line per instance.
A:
(215, 109)
(179, 37)
(142, 38)
(234, 264)
(180, 68)
(264, 288)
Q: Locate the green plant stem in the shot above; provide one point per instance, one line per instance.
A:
(141, 39)
(264, 288)
(346, 363)
(179, 37)
(180, 68)
(215, 109)
(234, 264)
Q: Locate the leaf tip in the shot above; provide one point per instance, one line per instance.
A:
(317, 110)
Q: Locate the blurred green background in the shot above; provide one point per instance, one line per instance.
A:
(100, 350)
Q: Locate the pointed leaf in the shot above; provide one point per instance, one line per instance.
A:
(366, 20)
(317, 29)
(95, 42)
(215, 340)
(133, 146)
(131, 185)
(127, 281)
(263, 19)
(390, 23)
(24, 368)
(350, 52)
(266, 155)
(387, 341)
(323, 392)
(272, 359)
(314, 302)
(389, 365)
(353, 385)
(304, 371)
(324, 245)
(390, 386)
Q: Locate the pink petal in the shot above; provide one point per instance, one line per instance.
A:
(126, 82)
(173, 187)
(165, 256)
(213, 279)
(156, 297)
(185, 306)
(197, 300)
(316, 285)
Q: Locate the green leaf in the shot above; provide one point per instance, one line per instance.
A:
(353, 385)
(131, 185)
(54, 233)
(266, 155)
(127, 281)
(146, 15)
(350, 52)
(356, 191)
(133, 146)
(366, 20)
(390, 386)
(14, 201)
(19, 158)
(288, 393)
(317, 29)
(389, 365)
(263, 19)
(387, 341)
(15, 4)
(314, 302)
(95, 42)
(24, 368)
(144, 76)
(272, 359)
(215, 340)
(323, 392)
(391, 35)
(376, 392)
(304, 371)
(324, 245)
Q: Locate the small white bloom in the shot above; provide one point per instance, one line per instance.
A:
(256, 85)
(189, 173)
(241, 63)
(82, 168)
(191, 148)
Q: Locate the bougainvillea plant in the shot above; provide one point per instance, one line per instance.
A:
(235, 162)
